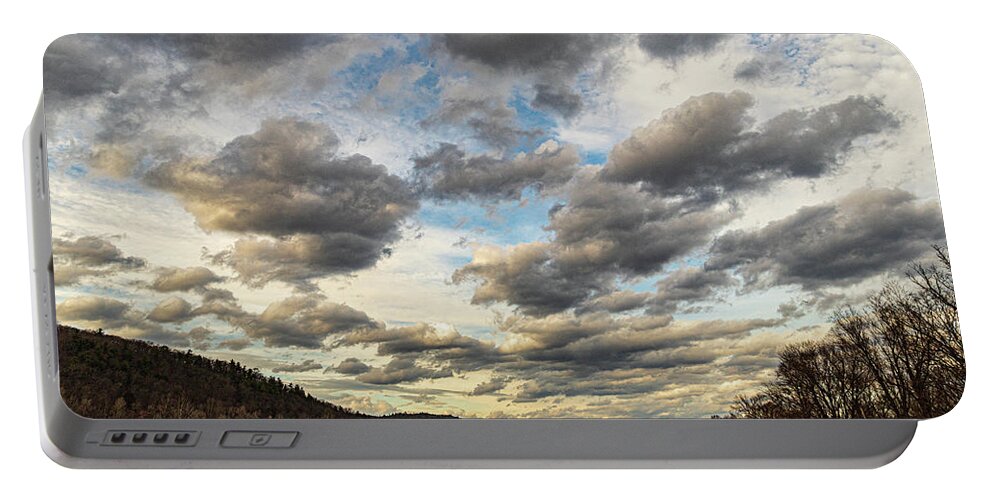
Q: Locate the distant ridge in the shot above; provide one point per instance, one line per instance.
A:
(104, 376)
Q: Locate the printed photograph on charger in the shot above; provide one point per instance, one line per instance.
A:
(496, 226)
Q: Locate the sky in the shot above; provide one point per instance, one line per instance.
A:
(486, 225)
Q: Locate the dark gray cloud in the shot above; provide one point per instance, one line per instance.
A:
(623, 228)
(84, 65)
(557, 330)
(557, 98)
(489, 387)
(303, 321)
(141, 91)
(605, 230)
(401, 370)
(631, 342)
(80, 66)
(560, 53)
(116, 66)
(449, 173)
(75, 259)
(673, 47)
(616, 301)
(301, 258)
(529, 277)
(488, 119)
(417, 339)
(184, 279)
(255, 51)
(659, 197)
(687, 287)
(308, 365)
(753, 69)
(350, 366)
(552, 61)
(323, 213)
(130, 87)
(706, 147)
(863, 234)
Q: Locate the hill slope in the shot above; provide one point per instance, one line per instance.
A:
(103, 376)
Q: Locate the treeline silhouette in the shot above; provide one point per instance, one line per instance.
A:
(900, 356)
(103, 376)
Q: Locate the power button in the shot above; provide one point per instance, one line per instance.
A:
(260, 439)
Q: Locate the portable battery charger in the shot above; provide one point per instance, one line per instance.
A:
(521, 250)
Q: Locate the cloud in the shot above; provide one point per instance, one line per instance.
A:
(415, 339)
(663, 193)
(220, 303)
(401, 370)
(299, 259)
(200, 337)
(551, 61)
(213, 300)
(144, 94)
(528, 276)
(706, 147)
(631, 339)
(184, 279)
(560, 99)
(688, 286)
(565, 53)
(623, 228)
(573, 319)
(76, 67)
(777, 59)
(863, 234)
(605, 230)
(306, 366)
(255, 51)
(617, 301)
(673, 48)
(86, 256)
(235, 344)
(303, 321)
(91, 308)
(350, 366)
(365, 404)
(589, 354)
(116, 317)
(448, 173)
(489, 387)
(533, 335)
(113, 160)
(86, 65)
(322, 213)
(642, 356)
(488, 119)
(171, 310)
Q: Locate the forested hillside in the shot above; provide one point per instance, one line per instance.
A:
(104, 376)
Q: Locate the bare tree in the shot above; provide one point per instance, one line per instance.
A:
(900, 356)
